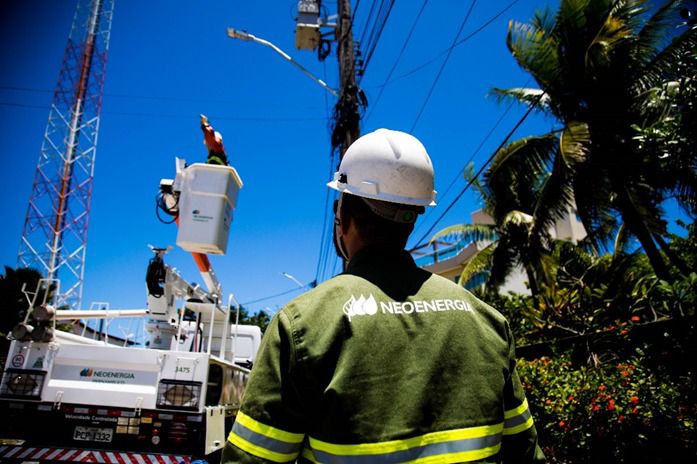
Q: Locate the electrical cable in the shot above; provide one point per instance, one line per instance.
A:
(461, 171)
(355, 10)
(326, 245)
(181, 116)
(161, 205)
(117, 95)
(323, 247)
(399, 57)
(442, 67)
(374, 41)
(272, 296)
(322, 252)
(457, 44)
(367, 21)
(493, 155)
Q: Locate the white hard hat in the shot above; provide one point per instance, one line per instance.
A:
(387, 165)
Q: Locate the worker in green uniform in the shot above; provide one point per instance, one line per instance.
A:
(386, 362)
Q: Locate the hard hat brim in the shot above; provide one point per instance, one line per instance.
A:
(344, 188)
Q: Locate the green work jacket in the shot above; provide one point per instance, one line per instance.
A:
(385, 363)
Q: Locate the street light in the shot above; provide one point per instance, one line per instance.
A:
(242, 35)
(288, 276)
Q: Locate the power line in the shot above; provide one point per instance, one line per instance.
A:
(442, 67)
(180, 116)
(272, 296)
(120, 95)
(493, 155)
(461, 171)
(457, 44)
(355, 10)
(399, 57)
(471, 158)
(327, 225)
(375, 36)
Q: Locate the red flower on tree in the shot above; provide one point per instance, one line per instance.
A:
(611, 405)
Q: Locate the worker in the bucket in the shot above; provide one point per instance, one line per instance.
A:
(213, 141)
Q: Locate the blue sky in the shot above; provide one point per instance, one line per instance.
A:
(171, 60)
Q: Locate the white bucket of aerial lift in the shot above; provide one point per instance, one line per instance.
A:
(208, 194)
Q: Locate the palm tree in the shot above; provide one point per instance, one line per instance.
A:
(597, 64)
(509, 242)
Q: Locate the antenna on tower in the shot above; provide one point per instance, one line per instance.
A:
(54, 238)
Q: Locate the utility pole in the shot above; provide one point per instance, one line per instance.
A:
(346, 128)
(309, 36)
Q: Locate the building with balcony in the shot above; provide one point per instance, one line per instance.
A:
(448, 259)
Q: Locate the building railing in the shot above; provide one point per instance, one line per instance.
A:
(438, 251)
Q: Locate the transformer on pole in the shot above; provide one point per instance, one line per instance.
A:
(54, 238)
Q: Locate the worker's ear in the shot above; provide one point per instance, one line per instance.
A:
(346, 221)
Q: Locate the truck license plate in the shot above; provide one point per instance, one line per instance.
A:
(100, 434)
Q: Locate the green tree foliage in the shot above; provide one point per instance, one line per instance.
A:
(512, 241)
(13, 303)
(590, 294)
(607, 359)
(261, 319)
(604, 70)
(631, 411)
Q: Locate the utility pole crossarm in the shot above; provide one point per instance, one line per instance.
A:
(242, 35)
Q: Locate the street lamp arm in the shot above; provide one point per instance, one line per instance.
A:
(242, 35)
(290, 277)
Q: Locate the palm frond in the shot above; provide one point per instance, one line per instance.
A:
(595, 210)
(572, 17)
(544, 20)
(522, 158)
(556, 194)
(518, 219)
(517, 171)
(469, 175)
(653, 35)
(574, 143)
(479, 262)
(614, 32)
(622, 240)
(666, 63)
(528, 96)
(467, 232)
(503, 260)
(535, 51)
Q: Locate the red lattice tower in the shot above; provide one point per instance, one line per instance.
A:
(54, 239)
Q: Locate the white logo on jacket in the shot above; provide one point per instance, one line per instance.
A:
(363, 306)
(360, 307)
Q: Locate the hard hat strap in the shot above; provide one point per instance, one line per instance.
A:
(403, 214)
(338, 240)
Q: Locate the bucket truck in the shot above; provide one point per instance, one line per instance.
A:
(69, 398)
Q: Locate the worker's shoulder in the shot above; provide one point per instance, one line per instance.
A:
(334, 290)
(442, 286)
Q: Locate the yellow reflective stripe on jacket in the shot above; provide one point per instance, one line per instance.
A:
(265, 441)
(460, 445)
(518, 419)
